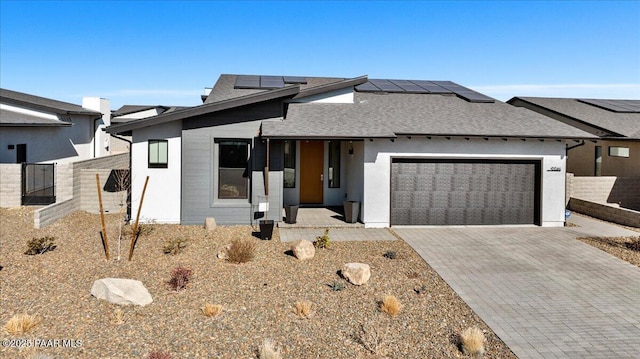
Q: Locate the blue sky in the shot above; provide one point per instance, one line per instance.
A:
(166, 52)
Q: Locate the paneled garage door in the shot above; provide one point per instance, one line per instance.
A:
(464, 192)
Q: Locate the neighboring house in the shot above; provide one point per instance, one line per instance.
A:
(128, 113)
(411, 152)
(36, 129)
(615, 122)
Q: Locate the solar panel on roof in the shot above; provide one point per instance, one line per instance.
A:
(247, 82)
(621, 106)
(409, 86)
(267, 82)
(386, 85)
(430, 86)
(473, 96)
(367, 87)
(294, 80)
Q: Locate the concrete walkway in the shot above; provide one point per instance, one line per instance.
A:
(545, 294)
(336, 234)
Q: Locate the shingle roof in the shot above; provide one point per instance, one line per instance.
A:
(15, 119)
(224, 87)
(127, 109)
(622, 124)
(44, 104)
(389, 115)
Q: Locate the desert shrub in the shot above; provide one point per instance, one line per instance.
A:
(373, 338)
(336, 286)
(303, 309)
(390, 305)
(179, 278)
(413, 275)
(211, 310)
(472, 342)
(323, 241)
(390, 254)
(268, 350)
(21, 323)
(241, 251)
(117, 317)
(40, 245)
(156, 354)
(174, 246)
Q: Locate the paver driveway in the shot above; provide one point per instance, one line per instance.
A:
(545, 294)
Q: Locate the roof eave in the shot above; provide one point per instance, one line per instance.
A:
(205, 109)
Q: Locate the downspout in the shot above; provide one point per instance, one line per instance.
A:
(129, 179)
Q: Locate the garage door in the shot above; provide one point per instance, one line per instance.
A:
(464, 192)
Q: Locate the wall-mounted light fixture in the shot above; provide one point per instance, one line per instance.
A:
(11, 147)
(351, 147)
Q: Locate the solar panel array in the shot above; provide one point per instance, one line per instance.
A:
(627, 106)
(423, 87)
(260, 82)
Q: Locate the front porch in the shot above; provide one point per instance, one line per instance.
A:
(320, 217)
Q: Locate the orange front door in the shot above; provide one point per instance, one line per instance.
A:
(311, 176)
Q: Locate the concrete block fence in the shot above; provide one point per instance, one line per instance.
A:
(80, 192)
(10, 185)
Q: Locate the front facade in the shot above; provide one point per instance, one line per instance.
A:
(410, 152)
(615, 122)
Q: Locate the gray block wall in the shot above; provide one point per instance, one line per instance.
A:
(622, 191)
(84, 189)
(10, 185)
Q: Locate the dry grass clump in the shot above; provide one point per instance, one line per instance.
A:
(117, 317)
(21, 323)
(180, 277)
(212, 310)
(390, 305)
(268, 350)
(241, 251)
(472, 342)
(174, 246)
(303, 309)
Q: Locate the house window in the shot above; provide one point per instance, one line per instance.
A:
(618, 151)
(334, 164)
(289, 164)
(158, 153)
(233, 169)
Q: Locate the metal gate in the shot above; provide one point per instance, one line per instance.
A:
(38, 184)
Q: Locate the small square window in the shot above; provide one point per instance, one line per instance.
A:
(158, 153)
(618, 151)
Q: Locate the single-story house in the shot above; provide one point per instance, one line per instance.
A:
(37, 129)
(615, 122)
(410, 152)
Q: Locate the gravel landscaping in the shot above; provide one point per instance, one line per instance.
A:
(258, 298)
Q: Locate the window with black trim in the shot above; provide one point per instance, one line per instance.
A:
(233, 169)
(289, 164)
(158, 153)
(334, 164)
(616, 151)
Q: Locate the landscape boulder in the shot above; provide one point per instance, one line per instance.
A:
(223, 252)
(356, 273)
(303, 249)
(210, 224)
(121, 291)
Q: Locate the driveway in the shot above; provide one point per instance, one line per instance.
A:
(545, 294)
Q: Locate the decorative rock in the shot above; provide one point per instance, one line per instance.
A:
(356, 273)
(303, 249)
(121, 291)
(210, 224)
(222, 253)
